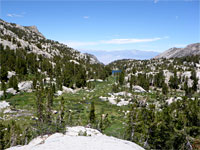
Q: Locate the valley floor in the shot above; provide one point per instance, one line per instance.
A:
(22, 109)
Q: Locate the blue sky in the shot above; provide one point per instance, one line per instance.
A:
(110, 25)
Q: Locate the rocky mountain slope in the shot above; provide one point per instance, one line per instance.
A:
(183, 68)
(93, 58)
(25, 52)
(192, 49)
(28, 37)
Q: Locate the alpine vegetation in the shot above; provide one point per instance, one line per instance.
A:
(55, 97)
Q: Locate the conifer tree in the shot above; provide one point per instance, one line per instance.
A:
(159, 79)
(195, 80)
(164, 89)
(3, 87)
(34, 83)
(3, 73)
(131, 84)
(15, 83)
(188, 91)
(39, 105)
(121, 78)
(62, 110)
(2, 142)
(53, 88)
(173, 81)
(131, 121)
(49, 105)
(92, 113)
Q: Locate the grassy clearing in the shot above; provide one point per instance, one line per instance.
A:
(77, 107)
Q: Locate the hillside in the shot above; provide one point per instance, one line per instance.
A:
(184, 68)
(192, 49)
(26, 52)
(28, 37)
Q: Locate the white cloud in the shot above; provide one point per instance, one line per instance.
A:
(112, 41)
(86, 17)
(129, 41)
(14, 15)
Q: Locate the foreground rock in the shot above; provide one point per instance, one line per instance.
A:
(78, 138)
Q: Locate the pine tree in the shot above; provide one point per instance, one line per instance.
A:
(165, 89)
(15, 83)
(39, 105)
(3, 73)
(92, 113)
(121, 78)
(173, 81)
(131, 122)
(195, 83)
(53, 88)
(195, 80)
(188, 91)
(34, 83)
(3, 87)
(2, 142)
(131, 84)
(49, 105)
(62, 110)
(159, 79)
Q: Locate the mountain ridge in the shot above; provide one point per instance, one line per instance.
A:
(17, 36)
(191, 49)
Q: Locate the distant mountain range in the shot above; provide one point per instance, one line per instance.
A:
(189, 50)
(28, 37)
(110, 56)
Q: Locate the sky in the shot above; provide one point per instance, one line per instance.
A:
(109, 26)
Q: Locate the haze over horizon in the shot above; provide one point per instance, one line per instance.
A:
(110, 26)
